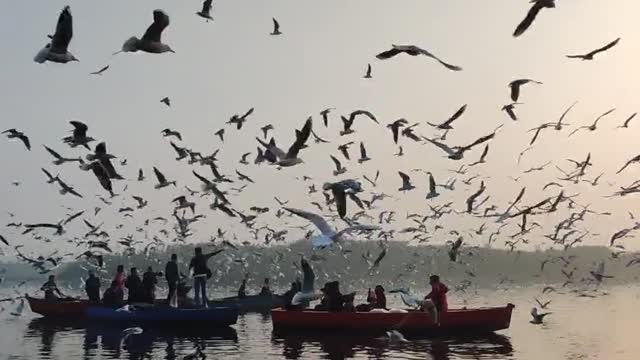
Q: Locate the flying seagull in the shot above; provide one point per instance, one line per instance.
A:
(57, 50)
(151, 41)
(515, 87)
(340, 190)
(339, 169)
(509, 110)
(325, 116)
(593, 126)
(531, 15)
(457, 152)
(590, 55)
(395, 128)
(363, 154)
(240, 120)
(165, 100)
(447, 124)
(15, 134)
(206, 10)
(633, 160)
(101, 71)
(406, 182)
(168, 132)
(537, 317)
(276, 27)
(626, 122)
(368, 74)
(328, 234)
(290, 158)
(433, 192)
(162, 180)
(413, 51)
(79, 136)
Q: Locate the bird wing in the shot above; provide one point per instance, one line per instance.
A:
(636, 158)
(154, 31)
(406, 180)
(301, 138)
(528, 20)
(606, 47)
(448, 66)
(432, 184)
(206, 6)
(515, 90)
(358, 227)
(276, 25)
(315, 219)
(64, 32)
(336, 161)
(365, 113)
(455, 116)
(388, 54)
(53, 153)
(363, 151)
(341, 201)
(442, 146)
(511, 114)
(161, 178)
(79, 129)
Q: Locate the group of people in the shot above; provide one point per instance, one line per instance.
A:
(143, 289)
(264, 291)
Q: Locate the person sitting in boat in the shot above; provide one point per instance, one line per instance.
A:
(288, 296)
(113, 296)
(333, 299)
(242, 291)
(92, 287)
(437, 296)
(376, 299)
(134, 287)
(266, 290)
(149, 282)
(51, 291)
(172, 275)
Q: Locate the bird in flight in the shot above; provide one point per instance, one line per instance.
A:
(276, 27)
(151, 41)
(57, 50)
(101, 71)
(414, 51)
(590, 55)
(368, 73)
(593, 126)
(15, 134)
(447, 124)
(532, 14)
(206, 10)
(515, 87)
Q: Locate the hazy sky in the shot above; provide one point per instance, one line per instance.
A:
(229, 65)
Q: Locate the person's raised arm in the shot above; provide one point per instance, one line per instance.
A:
(214, 253)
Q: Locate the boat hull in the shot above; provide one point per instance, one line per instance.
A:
(61, 309)
(252, 303)
(211, 317)
(455, 321)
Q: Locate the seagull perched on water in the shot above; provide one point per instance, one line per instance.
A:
(57, 49)
(328, 234)
(206, 10)
(413, 51)
(590, 55)
(151, 41)
(15, 134)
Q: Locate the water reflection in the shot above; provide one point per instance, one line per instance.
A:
(106, 339)
(295, 346)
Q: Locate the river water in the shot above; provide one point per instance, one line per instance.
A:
(601, 327)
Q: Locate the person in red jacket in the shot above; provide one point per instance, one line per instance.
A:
(438, 294)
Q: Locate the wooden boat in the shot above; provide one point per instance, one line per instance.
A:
(68, 308)
(251, 303)
(214, 316)
(455, 321)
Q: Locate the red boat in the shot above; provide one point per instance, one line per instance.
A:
(455, 321)
(69, 308)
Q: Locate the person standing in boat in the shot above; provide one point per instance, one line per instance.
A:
(113, 296)
(172, 274)
(134, 286)
(201, 273)
(437, 297)
(92, 287)
(242, 291)
(120, 277)
(266, 290)
(51, 291)
(149, 282)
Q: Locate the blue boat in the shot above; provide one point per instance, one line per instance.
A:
(215, 316)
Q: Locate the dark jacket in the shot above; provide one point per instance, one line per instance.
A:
(134, 285)
(171, 272)
(92, 287)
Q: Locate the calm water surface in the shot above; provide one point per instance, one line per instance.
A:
(604, 327)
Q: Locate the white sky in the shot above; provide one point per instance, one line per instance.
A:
(225, 67)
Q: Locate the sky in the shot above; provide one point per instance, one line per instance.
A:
(227, 66)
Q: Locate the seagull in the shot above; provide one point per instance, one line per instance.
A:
(220, 134)
(633, 160)
(79, 136)
(537, 317)
(60, 159)
(340, 190)
(165, 100)
(474, 196)
(406, 182)
(126, 333)
(290, 158)
(509, 110)
(168, 132)
(101, 173)
(395, 128)
(101, 71)
(515, 87)
(363, 154)
(344, 149)
(140, 175)
(531, 15)
(183, 204)
(457, 152)
(182, 152)
(433, 193)
(66, 189)
(447, 124)
(57, 50)
(368, 74)
(626, 122)
(265, 130)
(413, 51)
(328, 235)
(598, 274)
(593, 126)
(396, 336)
(543, 305)
(210, 186)
(276, 27)
(151, 41)
(15, 134)
(339, 169)
(482, 156)
(240, 120)
(141, 202)
(243, 177)
(206, 10)
(101, 155)
(348, 122)
(590, 55)
(162, 180)
(325, 116)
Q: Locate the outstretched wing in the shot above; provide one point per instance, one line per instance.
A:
(154, 31)
(528, 20)
(388, 54)
(447, 65)
(301, 138)
(64, 32)
(160, 176)
(315, 219)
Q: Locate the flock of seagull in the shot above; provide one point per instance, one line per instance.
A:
(343, 204)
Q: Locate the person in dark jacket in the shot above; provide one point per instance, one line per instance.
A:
(200, 274)
(172, 274)
(51, 291)
(288, 296)
(149, 282)
(266, 289)
(92, 287)
(242, 291)
(134, 286)
(113, 296)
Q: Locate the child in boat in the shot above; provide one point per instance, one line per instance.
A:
(51, 291)
(376, 299)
